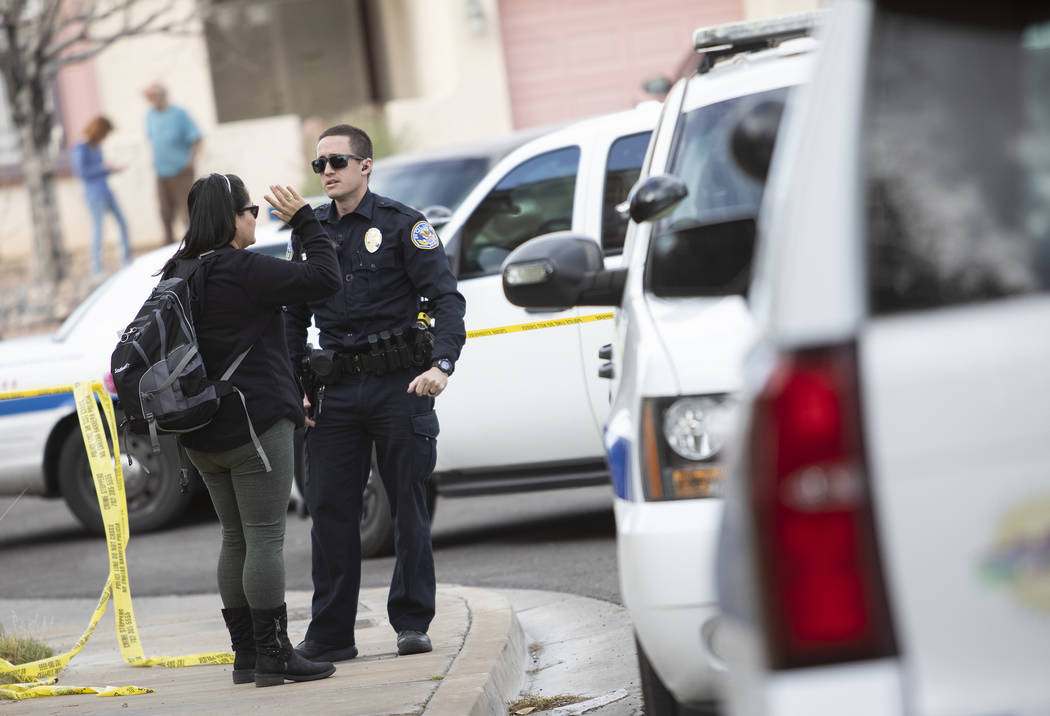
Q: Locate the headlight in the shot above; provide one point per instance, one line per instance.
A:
(697, 428)
(681, 440)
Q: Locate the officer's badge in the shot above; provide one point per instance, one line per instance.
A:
(289, 253)
(373, 238)
(424, 236)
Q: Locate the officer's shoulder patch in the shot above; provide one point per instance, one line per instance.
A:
(424, 236)
(290, 252)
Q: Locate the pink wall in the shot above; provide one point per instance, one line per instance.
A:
(78, 103)
(568, 59)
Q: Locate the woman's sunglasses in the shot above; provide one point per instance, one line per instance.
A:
(339, 161)
(254, 209)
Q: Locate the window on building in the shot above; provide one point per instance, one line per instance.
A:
(309, 57)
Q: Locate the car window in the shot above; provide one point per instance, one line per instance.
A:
(621, 172)
(534, 198)
(686, 258)
(958, 174)
(444, 182)
(701, 159)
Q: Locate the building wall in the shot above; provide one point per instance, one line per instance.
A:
(459, 70)
(262, 151)
(765, 8)
(461, 80)
(567, 60)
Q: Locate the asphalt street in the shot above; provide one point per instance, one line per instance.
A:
(558, 540)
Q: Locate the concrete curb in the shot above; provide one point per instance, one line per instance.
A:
(490, 668)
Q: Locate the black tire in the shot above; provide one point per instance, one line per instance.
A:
(154, 499)
(377, 529)
(657, 699)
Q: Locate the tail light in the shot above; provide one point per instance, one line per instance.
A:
(822, 584)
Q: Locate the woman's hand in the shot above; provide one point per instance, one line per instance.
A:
(285, 200)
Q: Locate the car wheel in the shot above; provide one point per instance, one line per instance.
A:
(151, 484)
(377, 529)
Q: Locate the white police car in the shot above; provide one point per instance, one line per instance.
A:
(886, 544)
(40, 443)
(682, 328)
(596, 160)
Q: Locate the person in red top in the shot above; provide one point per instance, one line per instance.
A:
(237, 305)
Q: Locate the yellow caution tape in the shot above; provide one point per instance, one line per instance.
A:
(104, 458)
(553, 323)
(48, 688)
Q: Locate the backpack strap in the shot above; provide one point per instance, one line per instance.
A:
(251, 431)
(237, 361)
(184, 477)
(177, 371)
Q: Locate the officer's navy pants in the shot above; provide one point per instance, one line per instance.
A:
(357, 412)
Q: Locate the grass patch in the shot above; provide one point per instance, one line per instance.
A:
(530, 703)
(21, 650)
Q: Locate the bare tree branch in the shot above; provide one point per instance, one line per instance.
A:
(37, 39)
(58, 54)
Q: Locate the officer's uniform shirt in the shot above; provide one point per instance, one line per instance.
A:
(389, 256)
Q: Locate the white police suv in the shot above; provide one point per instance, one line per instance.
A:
(682, 327)
(886, 544)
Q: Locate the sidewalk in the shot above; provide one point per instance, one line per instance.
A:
(477, 666)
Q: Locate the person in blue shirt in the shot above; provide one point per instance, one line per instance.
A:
(176, 141)
(89, 165)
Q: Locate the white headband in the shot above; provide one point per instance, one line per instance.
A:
(229, 188)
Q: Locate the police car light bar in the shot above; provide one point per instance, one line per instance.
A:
(750, 34)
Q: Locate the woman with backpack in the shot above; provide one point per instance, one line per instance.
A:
(244, 454)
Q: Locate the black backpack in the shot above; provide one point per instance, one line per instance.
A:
(157, 368)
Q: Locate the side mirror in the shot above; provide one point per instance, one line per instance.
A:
(658, 86)
(560, 270)
(653, 198)
(753, 137)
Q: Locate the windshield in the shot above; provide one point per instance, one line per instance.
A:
(701, 159)
(685, 258)
(78, 313)
(421, 185)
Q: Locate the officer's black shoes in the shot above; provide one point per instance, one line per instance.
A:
(316, 651)
(276, 661)
(412, 642)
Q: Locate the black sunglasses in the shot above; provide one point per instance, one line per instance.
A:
(254, 208)
(339, 161)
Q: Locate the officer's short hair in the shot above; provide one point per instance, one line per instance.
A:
(359, 140)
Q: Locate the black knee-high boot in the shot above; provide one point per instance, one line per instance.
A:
(275, 660)
(242, 636)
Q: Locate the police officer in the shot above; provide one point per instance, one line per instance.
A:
(375, 393)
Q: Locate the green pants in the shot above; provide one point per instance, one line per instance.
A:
(252, 505)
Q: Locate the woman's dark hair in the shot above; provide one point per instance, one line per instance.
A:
(213, 202)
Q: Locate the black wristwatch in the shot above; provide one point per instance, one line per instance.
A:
(443, 364)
